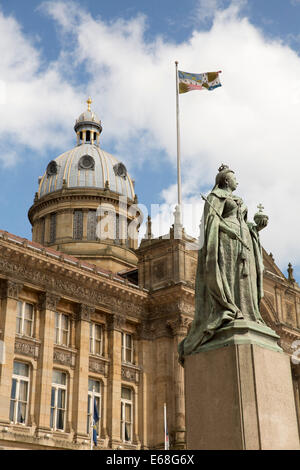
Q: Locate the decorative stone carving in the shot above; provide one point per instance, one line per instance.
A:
(130, 374)
(48, 301)
(115, 322)
(179, 326)
(11, 289)
(26, 348)
(98, 366)
(84, 312)
(66, 358)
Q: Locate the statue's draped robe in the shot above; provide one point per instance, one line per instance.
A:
(229, 277)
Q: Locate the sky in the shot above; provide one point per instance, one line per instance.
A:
(54, 54)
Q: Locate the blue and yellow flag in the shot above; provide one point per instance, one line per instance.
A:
(198, 81)
(95, 421)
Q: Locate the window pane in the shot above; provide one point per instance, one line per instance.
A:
(95, 384)
(60, 419)
(52, 418)
(127, 432)
(13, 388)
(23, 388)
(59, 377)
(126, 393)
(28, 311)
(64, 338)
(61, 397)
(128, 355)
(52, 396)
(12, 410)
(98, 331)
(65, 322)
(19, 309)
(56, 320)
(127, 413)
(19, 325)
(21, 412)
(21, 369)
(128, 341)
(27, 328)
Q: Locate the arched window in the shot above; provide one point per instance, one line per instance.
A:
(91, 225)
(78, 225)
(53, 227)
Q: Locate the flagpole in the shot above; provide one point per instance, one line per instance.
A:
(165, 426)
(92, 417)
(178, 142)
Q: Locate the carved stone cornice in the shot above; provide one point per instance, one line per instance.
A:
(48, 301)
(115, 322)
(84, 312)
(10, 289)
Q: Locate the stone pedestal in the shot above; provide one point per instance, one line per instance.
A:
(240, 396)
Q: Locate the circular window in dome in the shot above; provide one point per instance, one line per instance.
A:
(51, 168)
(86, 163)
(120, 170)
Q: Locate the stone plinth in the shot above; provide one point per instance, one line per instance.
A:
(238, 397)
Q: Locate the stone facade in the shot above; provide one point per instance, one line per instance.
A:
(155, 315)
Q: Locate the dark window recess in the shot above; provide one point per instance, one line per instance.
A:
(52, 228)
(42, 239)
(91, 225)
(78, 225)
(81, 136)
(95, 136)
(88, 136)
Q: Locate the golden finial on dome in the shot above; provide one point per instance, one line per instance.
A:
(89, 102)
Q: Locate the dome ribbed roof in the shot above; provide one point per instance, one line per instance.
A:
(86, 166)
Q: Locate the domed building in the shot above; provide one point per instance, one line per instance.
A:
(86, 201)
(86, 311)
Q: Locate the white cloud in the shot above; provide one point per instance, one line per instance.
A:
(250, 123)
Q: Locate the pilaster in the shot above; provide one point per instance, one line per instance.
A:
(47, 306)
(10, 291)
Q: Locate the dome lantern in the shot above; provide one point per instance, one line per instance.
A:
(88, 127)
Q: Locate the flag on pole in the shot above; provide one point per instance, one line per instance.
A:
(198, 81)
(167, 443)
(95, 421)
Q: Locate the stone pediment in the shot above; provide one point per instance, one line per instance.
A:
(270, 265)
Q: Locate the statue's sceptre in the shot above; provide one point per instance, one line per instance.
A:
(224, 222)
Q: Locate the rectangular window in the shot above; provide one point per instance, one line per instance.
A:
(19, 393)
(78, 225)
(94, 386)
(58, 400)
(96, 339)
(42, 230)
(62, 329)
(52, 228)
(91, 225)
(88, 136)
(126, 414)
(25, 314)
(127, 348)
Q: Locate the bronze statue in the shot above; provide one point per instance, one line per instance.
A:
(229, 279)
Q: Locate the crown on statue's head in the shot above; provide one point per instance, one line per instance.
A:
(223, 167)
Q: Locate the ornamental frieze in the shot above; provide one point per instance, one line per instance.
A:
(26, 348)
(130, 374)
(67, 358)
(99, 366)
(48, 301)
(63, 286)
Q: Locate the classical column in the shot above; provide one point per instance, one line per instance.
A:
(179, 328)
(47, 307)
(80, 391)
(115, 325)
(9, 294)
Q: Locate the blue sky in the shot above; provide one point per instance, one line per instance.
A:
(56, 54)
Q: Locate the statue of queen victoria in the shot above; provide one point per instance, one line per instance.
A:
(229, 279)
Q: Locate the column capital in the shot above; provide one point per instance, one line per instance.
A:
(10, 289)
(48, 301)
(179, 326)
(84, 312)
(115, 322)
